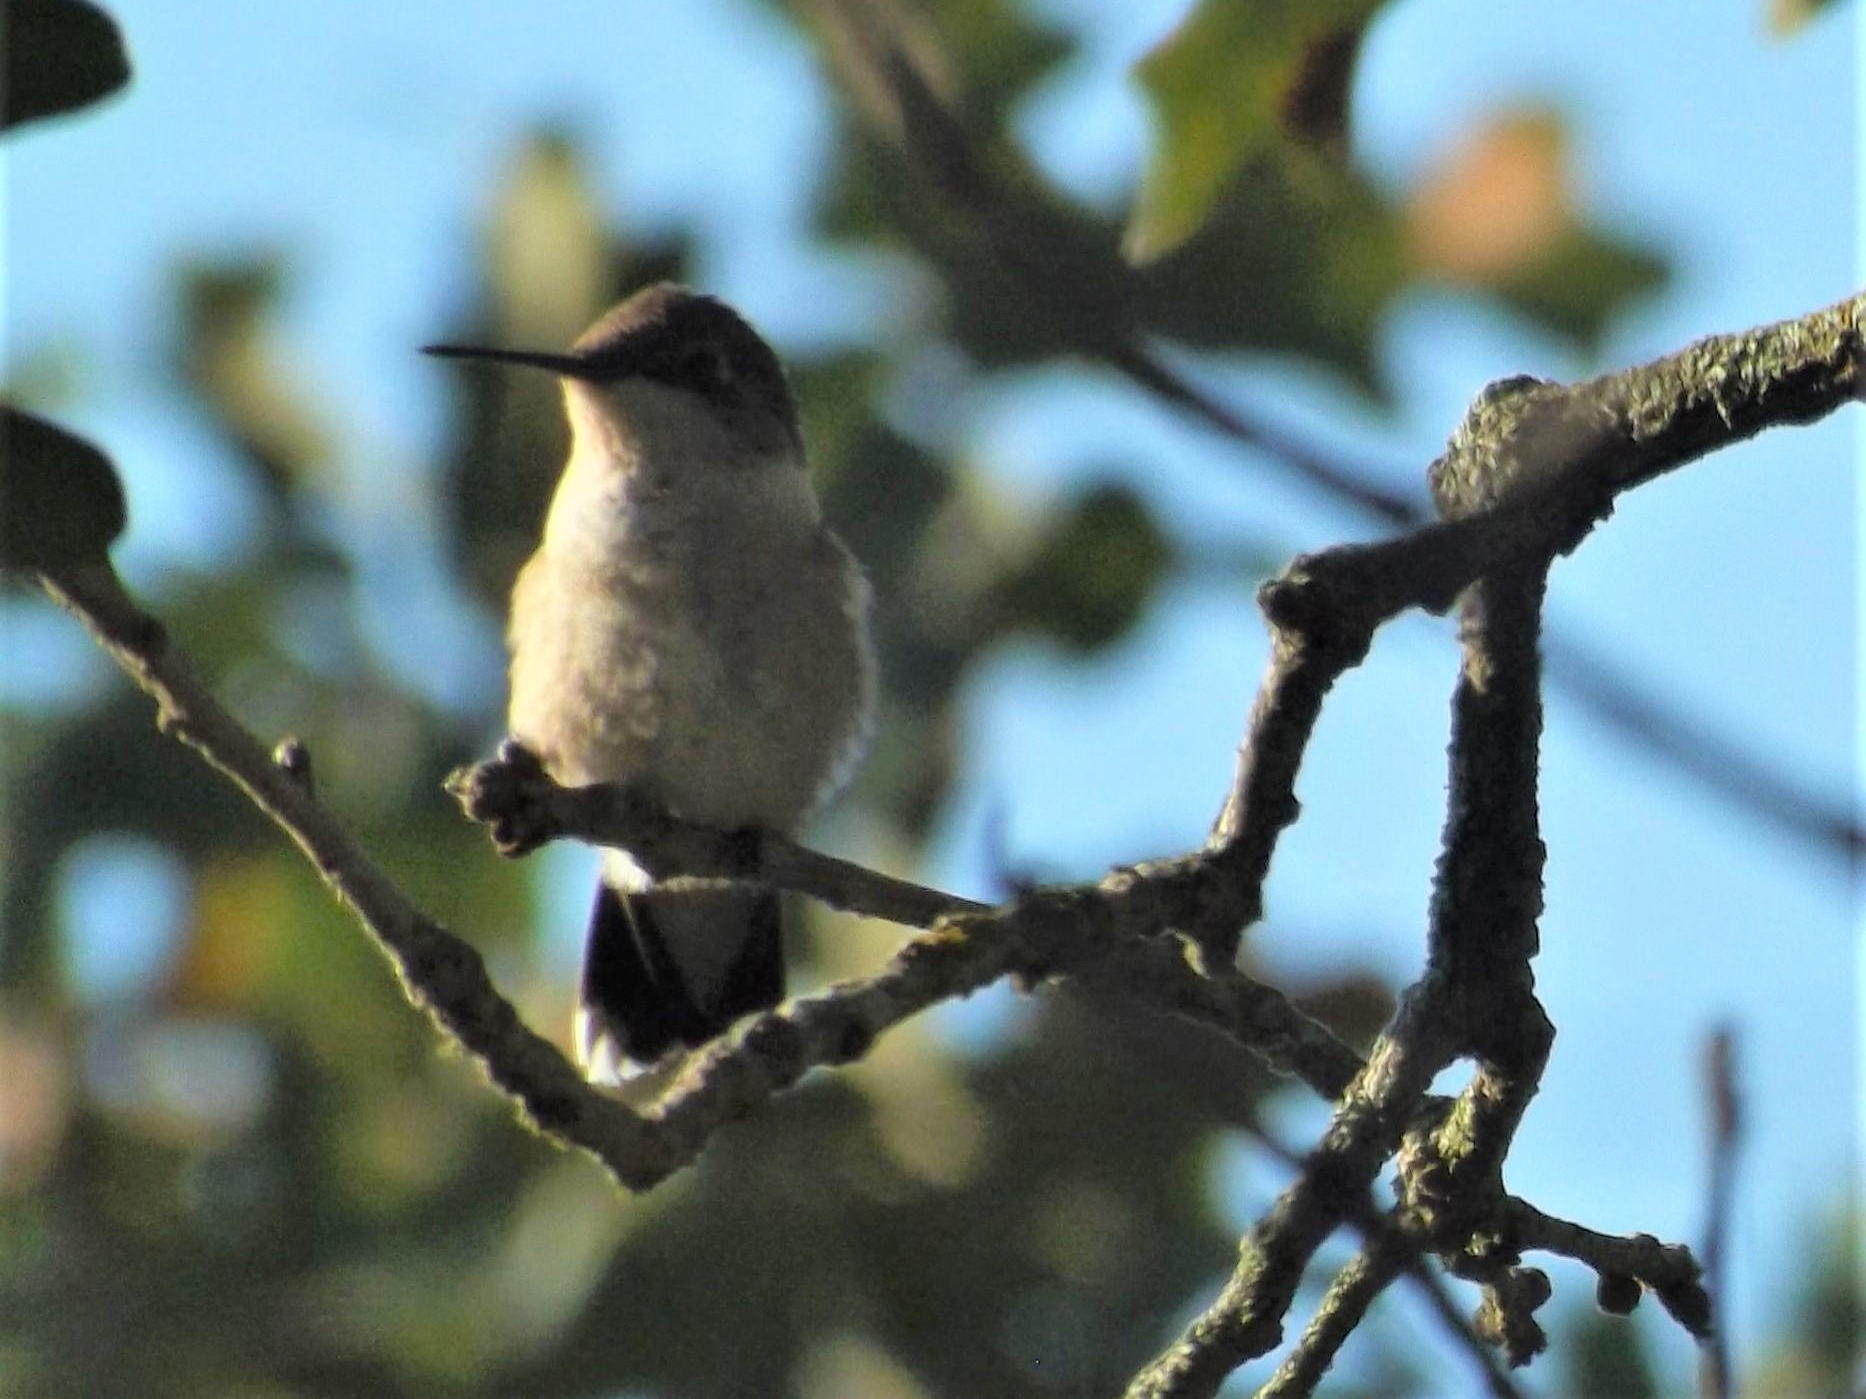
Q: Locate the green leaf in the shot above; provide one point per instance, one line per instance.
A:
(1232, 82)
(230, 357)
(1300, 257)
(1582, 281)
(1094, 573)
(1001, 50)
(60, 55)
(1787, 16)
(60, 500)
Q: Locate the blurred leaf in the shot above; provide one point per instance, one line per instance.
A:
(60, 500)
(882, 493)
(1787, 16)
(447, 866)
(1605, 1355)
(1023, 273)
(1059, 1268)
(546, 250)
(228, 356)
(1002, 49)
(49, 376)
(550, 267)
(1578, 285)
(102, 770)
(1823, 1310)
(40, 1098)
(1315, 106)
(1495, 203)
(267, 941)
(974, 57)
(1498, 214)
(239, 913)
(1300, 256)
(1227, 86)
(60, 55)
(1094, 573)
(879, 490)
(1290, 251)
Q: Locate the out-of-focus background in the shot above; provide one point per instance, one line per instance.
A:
(231, 1159)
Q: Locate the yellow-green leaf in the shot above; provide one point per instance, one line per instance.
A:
(1787, 16)
(1234, 79)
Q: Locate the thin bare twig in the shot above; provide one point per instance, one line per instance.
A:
(1726, 1127)
(1389, 1243)
(516, 798)
(1343, 1308)
(1668, 1270)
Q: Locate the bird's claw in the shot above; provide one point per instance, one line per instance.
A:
(510, 793)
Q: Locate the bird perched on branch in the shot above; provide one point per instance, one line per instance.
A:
(690, 625)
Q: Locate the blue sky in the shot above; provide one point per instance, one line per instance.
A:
(362, 139)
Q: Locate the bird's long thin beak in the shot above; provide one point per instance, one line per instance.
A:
(570, 366)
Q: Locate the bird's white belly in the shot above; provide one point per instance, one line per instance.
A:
(728, 696)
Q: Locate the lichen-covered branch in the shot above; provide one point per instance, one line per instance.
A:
(441, 974)
(1624, 1263)
(1343, 1308)
(1246, 1319)
(523, 807)
(1043, 934)
(516, 798)
(1529, 473)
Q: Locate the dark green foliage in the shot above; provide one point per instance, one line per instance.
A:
(1093, 573)
(60, 500)
(1606, 1358)
(60, 55)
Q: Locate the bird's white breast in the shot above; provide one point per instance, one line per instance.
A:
(691, 626)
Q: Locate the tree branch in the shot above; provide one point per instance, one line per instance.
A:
(524, 807)
(1531, 470)
(1343, 1308)
(1042, 935)
(998, 212)
(1389, 1248)
(1669, 1270)
(1528, 473)
(439, 973)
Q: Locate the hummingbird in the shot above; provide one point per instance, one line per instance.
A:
(690, 625)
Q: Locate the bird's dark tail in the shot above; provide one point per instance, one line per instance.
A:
(661, 969)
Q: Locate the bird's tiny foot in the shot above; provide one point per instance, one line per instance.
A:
(511, 793)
